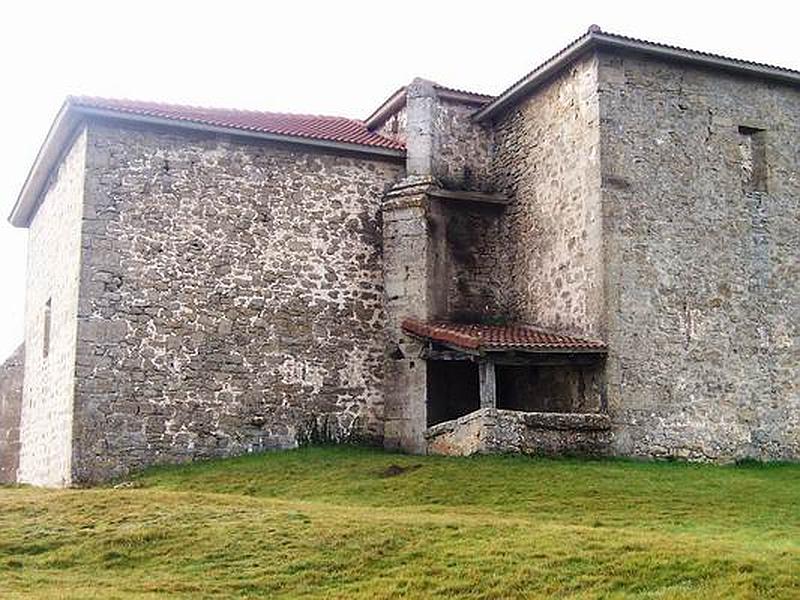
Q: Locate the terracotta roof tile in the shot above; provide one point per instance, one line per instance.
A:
(475, 336)
(334, 129)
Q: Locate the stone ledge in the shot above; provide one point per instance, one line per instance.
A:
(489, 430)
(567, 421)
(534, 420)
(449, 426)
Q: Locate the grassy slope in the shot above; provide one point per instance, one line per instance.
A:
(324, 522)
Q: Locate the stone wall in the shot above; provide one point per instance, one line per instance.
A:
(231, 299)
(461, 147)
(54, 248)
(547, 158)
(469, 237)
(442, 140)
(703, 270)
(11, 378)
(395, 126)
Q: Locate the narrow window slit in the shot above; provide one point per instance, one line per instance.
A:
(753, 148)
(47, 320)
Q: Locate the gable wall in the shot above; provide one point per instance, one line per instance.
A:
(549, 247)
(54, 250)
(231, 299)
(703, 277)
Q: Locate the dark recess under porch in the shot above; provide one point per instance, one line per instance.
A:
(550, 385)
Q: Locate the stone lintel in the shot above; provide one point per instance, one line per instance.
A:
(469, 197)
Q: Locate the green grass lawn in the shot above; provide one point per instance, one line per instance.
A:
(347, 523)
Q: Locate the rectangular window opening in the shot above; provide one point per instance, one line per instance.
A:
(753, 150)
(47, 320)
(452, 390)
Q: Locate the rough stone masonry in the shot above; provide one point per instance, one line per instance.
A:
(206, 283)
(11, 377)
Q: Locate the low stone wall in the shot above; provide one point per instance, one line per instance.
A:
(489, 430)
(11, 377)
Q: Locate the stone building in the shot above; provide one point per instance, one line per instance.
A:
(603, 259)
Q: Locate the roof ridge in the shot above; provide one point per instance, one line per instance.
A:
(693, 51)
(299, 126)
(447, 88)
(82, 100)
(595, 37)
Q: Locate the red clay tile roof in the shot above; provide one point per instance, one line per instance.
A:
(333, 129)
(474, 336)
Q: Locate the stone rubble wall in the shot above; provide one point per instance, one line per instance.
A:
(468, 237)
(395, 126)
(547, 159)
(703, 273)
(443, 141)
(231, 299)
(461, 147)
(467, 234)
(11, 378)
(54, 251)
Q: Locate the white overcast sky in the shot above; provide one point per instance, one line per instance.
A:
(332, 57)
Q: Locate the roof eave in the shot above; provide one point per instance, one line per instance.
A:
(70, 115)
(698, 58)
(544, 349)
(462, 96)
(49, 153)
(527, 84)
(389, 107)
(595, 40)
(394, 103)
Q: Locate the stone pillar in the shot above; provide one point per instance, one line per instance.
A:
(408, 266)
(416, 272)
(420, 107)
(487, 384)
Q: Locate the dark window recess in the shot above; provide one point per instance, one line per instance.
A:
(753, 149)
(47, 320)
(560, 389)
(452, 390)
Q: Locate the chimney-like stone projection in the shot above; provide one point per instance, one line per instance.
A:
(427, 260)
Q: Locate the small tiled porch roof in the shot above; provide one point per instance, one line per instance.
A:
(494, 338)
